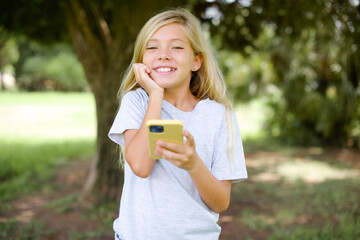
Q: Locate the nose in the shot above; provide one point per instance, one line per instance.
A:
(164, 55)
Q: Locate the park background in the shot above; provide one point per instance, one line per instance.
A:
(292, 69)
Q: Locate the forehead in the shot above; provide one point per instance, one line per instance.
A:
(170, 32)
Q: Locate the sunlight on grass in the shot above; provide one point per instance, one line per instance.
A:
(39, 131)
(291, 193)
(47, 116)
(47, 122)
(298, 210)
(312, 171)
(280, 167)
(315, 196)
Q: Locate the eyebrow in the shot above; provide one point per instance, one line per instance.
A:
(172, 39)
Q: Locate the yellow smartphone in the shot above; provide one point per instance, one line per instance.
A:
(167, 130)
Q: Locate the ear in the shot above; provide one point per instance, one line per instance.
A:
(197, 63)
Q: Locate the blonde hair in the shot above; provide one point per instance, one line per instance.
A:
(207, 82)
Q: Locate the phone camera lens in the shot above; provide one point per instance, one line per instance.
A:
(156, 129)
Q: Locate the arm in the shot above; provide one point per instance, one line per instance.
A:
(214, 193)
(136, 143)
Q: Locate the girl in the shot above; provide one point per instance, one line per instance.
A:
(173, 75)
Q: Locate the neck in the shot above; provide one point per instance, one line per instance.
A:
(183, 100)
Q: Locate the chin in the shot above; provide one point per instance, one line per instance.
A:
(163, 84)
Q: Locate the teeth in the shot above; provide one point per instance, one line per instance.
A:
(165, 69)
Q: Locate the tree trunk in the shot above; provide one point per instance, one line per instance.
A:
(105, 178)
(97, 53)
(105, 57)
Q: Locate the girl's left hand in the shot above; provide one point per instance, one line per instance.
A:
(183, 156)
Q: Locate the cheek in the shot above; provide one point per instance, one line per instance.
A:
(146, 59)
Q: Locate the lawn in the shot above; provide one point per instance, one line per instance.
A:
(39, 131)
(300, 193)
(292, 192)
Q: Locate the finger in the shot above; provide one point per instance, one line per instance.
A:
(140, 68)
(174, 147)
(141, 75)
(189, 138)
(147, 69)
(144, 69)
(136, 68)
(169, 155)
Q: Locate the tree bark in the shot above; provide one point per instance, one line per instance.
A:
(105, 56)
(96, 50)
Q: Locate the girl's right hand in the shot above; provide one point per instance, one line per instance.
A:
(142, 76)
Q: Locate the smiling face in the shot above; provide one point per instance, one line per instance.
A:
(170, 57)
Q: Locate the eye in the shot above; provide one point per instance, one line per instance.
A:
(177, 48)
(151, 48)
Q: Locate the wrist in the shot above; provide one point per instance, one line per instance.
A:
(157, 93)
(196, 167)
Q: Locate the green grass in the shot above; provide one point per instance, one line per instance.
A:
(85, 236)
(46, 98)
(308, 197)
(39, 131)
(291, 193)
(26, 166)
(47, 116)
(35, 230)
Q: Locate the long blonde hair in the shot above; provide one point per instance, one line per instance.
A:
(207, 82)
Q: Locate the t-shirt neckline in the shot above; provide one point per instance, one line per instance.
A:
(168, 106)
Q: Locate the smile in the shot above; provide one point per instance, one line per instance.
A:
(165, 69)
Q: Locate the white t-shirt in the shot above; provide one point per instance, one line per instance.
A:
(166, 205)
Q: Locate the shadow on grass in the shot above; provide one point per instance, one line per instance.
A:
(25, 166)
(291, 194)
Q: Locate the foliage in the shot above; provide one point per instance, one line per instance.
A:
(320, 98)
(308, 53)
(248, 77)
(54, 69)
(40, 20)
(8, 52)
(41, 67)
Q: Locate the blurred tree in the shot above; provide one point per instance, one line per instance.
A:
(102, 34)
(52, 68)
(313, 48)
(9, 54)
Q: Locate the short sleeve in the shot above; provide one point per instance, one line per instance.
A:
(130, 115)
(229, 166)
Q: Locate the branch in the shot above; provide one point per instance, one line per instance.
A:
(88, 46)
(102, 26)
(80, 19)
